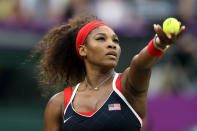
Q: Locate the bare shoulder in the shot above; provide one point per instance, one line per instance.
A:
(138, 100)
(53, 112)
(55, 103)
(57, 99)
(124, 78)
(128, 93)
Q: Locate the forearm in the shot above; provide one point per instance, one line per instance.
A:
(144, 60)
(140, 67)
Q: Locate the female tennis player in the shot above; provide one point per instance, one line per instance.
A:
(82, 54)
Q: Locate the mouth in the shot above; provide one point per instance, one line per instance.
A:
(112, 54)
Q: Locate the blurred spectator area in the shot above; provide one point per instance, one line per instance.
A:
(24, 22)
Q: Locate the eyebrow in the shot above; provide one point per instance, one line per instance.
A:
(114, 35)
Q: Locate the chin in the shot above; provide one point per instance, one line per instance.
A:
(111, 64)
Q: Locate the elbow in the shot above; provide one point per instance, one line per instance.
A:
(138, 64)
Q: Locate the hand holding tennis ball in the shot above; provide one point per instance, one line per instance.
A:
(170, 32)
(171, 24)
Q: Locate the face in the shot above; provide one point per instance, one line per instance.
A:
(102, 47)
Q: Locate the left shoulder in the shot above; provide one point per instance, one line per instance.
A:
(123, 78)
(136, 99)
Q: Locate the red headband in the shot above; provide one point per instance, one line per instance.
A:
(83, 33)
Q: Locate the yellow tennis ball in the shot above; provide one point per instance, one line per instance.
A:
(171, 24)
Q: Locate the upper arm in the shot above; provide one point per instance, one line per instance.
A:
(137, 98)
(135, 82)
(139, 73)
(138, 78)
(53, 113)
(135, 79)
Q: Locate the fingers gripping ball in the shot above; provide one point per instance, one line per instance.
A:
(171, 24)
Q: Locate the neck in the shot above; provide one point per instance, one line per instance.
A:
(96, 77)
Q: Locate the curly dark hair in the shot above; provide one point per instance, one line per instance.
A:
(59, 62)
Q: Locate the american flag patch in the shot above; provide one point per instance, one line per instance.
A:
(112, 107)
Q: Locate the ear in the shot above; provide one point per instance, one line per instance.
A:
(83, 50)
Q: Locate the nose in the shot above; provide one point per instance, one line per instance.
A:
(111, 45)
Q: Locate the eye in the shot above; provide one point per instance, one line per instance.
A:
(100, 38)
(116, 41)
